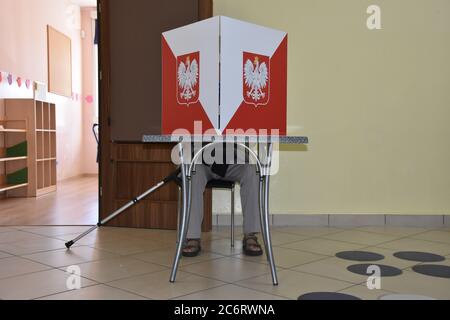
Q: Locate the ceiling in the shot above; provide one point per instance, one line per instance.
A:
(85, 3)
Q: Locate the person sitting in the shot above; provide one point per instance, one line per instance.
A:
(246, 175)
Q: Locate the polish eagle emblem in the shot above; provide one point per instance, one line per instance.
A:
(188, 72)
(256, 84)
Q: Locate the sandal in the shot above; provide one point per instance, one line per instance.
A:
(192, 248)
(250, 245)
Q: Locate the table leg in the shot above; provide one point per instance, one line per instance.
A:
(265, 215)
(261, 211)
(186, 189)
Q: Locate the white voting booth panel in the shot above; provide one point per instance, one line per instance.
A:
(226, 73)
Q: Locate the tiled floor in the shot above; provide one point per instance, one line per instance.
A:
(120, 263)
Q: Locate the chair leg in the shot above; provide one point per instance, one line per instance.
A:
(179, 216)
(232, 217)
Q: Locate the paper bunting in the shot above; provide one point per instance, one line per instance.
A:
(28, 83)
(1, 77)
(19, 81)
(89, 99)
(10, 79)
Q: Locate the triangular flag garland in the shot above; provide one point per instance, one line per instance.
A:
(11, 80)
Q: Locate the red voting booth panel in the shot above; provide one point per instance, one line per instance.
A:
(181, 105)
(228, 74)
(269, 111)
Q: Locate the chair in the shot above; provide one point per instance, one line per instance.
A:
(214, 184)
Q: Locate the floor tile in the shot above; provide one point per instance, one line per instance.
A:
(360, 237)
(230, 292)
(334, 268)
(409, 244)
(165, 257)
(309, 231)
(97, 236)
(446, 262)
(14, 236)
(418, 284)
(293, 284)
(36, 285)
(30, 246)
(222, 247)
(362, 292)
(4, 255)
(437, 235)
(227, 269)
(14, 266)
(322, 246)
(54, 230)
(157, 286)
(391, 230)
(97, 292)
(390, 259)
(279, 238)
(116, 268)
(7, 229)
(146, 234)
(285, 258)
(128, 246)
(77, 255)
(139, 261)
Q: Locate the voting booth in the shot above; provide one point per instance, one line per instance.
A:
(230, 75)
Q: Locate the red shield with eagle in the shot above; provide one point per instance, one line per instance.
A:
(188, 78)
(256, 79)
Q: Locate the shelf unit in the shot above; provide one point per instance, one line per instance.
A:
(45, 147)
(41, 140)
(12, 132)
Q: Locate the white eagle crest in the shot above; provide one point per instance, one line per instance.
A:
(187, 78)
(256, 76)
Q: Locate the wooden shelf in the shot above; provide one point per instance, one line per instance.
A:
(39, 126)
(8, 187)
(12, 159)
(13, 130)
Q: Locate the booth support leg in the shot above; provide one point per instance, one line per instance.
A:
(184, 219)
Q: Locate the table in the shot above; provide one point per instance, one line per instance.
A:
(263, 160)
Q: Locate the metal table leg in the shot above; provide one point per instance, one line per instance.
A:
(186, 190)
(264, 204)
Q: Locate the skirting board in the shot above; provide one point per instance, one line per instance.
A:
(344, 220)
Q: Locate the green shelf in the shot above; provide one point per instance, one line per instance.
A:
(18, 150)
(18, 177)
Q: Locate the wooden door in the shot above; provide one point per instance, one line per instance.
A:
(130, 106)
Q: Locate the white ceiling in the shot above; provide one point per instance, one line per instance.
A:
(85, 3)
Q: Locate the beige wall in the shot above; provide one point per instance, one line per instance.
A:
(89, 115)
(23, 52)
(375, 104)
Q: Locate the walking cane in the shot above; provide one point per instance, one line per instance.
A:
(172, 176)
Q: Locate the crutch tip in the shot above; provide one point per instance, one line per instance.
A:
(69, 244)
